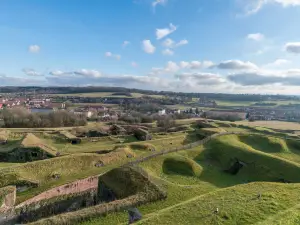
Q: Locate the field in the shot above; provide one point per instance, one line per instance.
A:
(232, 179)
(252, 103)
(280, 125)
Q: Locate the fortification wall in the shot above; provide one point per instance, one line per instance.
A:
(71, 188)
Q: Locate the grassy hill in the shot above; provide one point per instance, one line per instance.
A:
(69, 168)
(236, 205)
(225, 173)
(197, 184)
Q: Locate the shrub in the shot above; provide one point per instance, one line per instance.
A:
(142, 134)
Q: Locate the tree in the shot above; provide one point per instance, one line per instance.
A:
(166, 123)
(197, 111)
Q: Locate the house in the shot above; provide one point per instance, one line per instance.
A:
(176, 111)
(162, 112)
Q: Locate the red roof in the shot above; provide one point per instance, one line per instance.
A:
(1, 105)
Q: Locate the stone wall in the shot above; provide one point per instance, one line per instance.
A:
(71, 188)
(56, 205)
(9, 199)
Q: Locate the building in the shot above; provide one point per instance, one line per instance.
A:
(162, 112)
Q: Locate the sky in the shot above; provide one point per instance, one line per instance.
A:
(221, 46)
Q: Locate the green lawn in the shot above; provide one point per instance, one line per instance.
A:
(195, 179)
(197, 184)
(236, 205)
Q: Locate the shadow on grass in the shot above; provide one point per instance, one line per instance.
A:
(261, 143)
(172, 166)
(193, 136)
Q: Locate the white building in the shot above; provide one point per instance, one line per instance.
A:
(162, 112)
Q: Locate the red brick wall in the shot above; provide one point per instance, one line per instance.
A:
(71, 188)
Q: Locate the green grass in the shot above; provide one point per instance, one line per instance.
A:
(10, 146)
(6, 164)
(195, 179)
(237, 205)
(277, 125)
(287, 149)
(69, 168)
(234, 103)
(189, 175)
(108, 143)
(181, 165)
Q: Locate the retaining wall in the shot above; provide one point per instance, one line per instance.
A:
(71, 188)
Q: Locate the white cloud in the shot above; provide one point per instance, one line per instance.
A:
(253, 6)
(267, 77)
(134, 64)
(182, 42)
(198, 79)
(31, 72)
(171, 67)
(88, 73)
(293, 47)
(169, 43)
(87, 77)
(34, 49)
(115, 56)
(278, 63)
(161, 33)
(20, 81)
(108, 54)
(60, 73)
(236, 65)
(256, 37)
(167, 52)
(125, 43)
(195, 65)
(148, 47)
(159, 2)
(207, 64)
(184, 64)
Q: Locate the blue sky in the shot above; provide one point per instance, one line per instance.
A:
(233, 46)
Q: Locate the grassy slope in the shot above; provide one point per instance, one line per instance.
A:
(192, 180)
(288, 149)
(237, 205)
(108, 143)
(10, 146)
(69, 168)
(260, 166)
(282, 125)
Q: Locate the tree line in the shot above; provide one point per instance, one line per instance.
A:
(22, 118)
